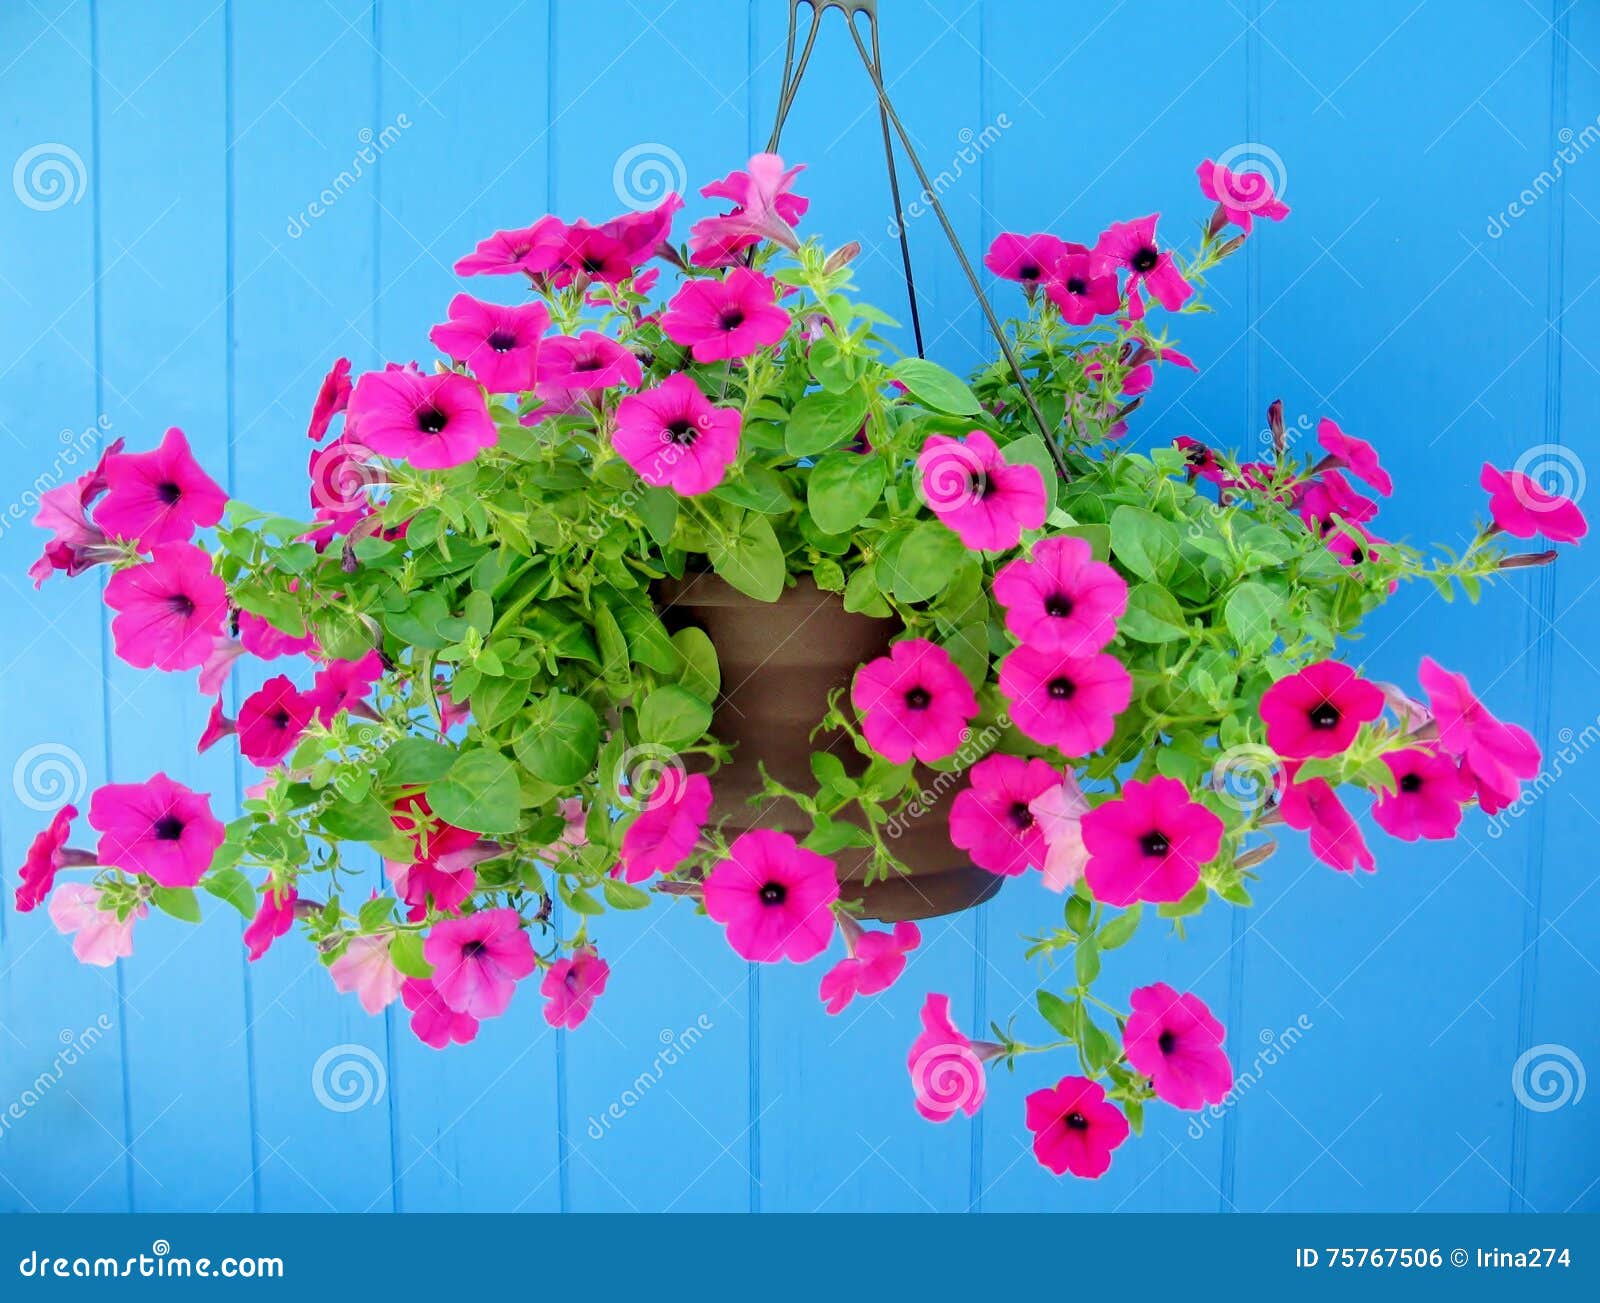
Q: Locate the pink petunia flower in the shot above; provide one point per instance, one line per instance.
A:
(774, 897)
(478, 961)
(1175, 1041)
(443, 867)
(1074, 1128)
(272, 719)
(1201, 461)
(1149, 844)
(366, 969)
(1067, 702)
(1360, 457)
(47, 856)
(530, 250)
(1029, 259)
(99, 937)
(586, 363)
(992, 818)
(497, 343)
(158, 828)
(673, 435)
(261, 638)
(1311, 805)
(765, 207)
(274, 917)
(873, 963)
(975, 491)
(946, 1067)
(432, 421)
(1329, 498)
(574, 831)
(344, 685)
(1060, 599)
(642, 234)
(1059, 812)
(663, 834)
(218, 664)
(1522, 508)
(1426, 799)
(1490, 750)
(1132, 245)
(1319, 710)
(914, 702)
(159, 497)
(571, 986)
(434, 1022)
(1240, 196)
(727, 319)
(333, 396)
(1079, 295)
(218, 726)
(75, 544)
(169, 609)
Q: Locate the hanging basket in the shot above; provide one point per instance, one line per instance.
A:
(779, 662)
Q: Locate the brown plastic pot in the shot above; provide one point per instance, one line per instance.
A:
(779, 662)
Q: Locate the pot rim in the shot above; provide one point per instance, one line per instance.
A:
(705, 588)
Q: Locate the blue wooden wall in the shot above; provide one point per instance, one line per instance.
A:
(180, 279)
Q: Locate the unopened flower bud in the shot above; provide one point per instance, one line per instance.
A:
(1231, 247)
(1275, 424)
(1522, 560)
(843, 256)
(1257, 855)
(1219, 219)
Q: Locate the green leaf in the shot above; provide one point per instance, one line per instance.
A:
(561, 743)
(1058, 1013)
(937, 388)
(405, 953)
(415, 760)
(624, 895)
(843, 488)
(673, 717)
(759, 488)
(750, 558)
(375, 913)
(921, 562)
(232, 886)
(1031, 451)
(577, 899)
(1145, 543)
(824, 420)
(701, 674)
(1153, 615)
(480, 793)
(367, 820)
(1250, 613)
(497, 700)
(1086, 961)
(1120, 929)
(180, 902)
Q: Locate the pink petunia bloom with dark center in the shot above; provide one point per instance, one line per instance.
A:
(1074, 1127)
(272, 719)
(1175, 1041)
(946, 1066)
(1061, 599)
(158, 828)
(530, 250)
(1319, 710)
(1030, 259)
(1522, 508)
(169, 609)
(992, 818)
(333, 396)
(499, 344)
(478, 961)
(873, 963)
(1426, 798)
(1067, 702)
(1311, 805)
(1149, 843)
(160, 496)
(774, 897)
(970, 486)
(674, 436)
(1201, 461)
(1079, 295)
(728, 319)
(665, 831)
(344, 685)
(586, 364)
(431, 421)
(914, 702)
(1240, 196)
(1132, 247)
(571, 986)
